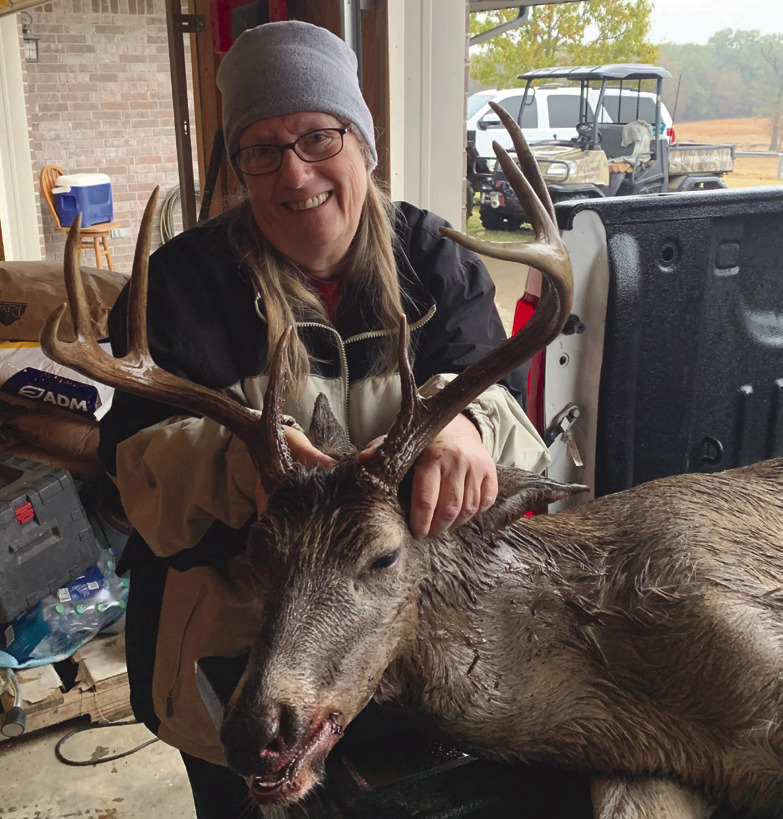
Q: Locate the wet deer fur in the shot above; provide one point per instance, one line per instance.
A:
(638, 637)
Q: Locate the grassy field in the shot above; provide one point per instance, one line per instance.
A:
(750, 134)
(477, 230)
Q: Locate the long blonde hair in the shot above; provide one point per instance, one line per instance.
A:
(369, 286)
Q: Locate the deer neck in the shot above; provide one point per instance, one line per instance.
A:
(496, 627)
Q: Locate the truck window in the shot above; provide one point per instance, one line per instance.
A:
(530, 115)
(629, 107)
(511, 104)
(478, 100)
(564, 110)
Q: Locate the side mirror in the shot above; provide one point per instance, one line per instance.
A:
(487, 122)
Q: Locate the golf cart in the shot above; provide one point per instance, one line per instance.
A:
(623, 145)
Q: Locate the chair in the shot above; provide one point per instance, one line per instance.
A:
(94, 237)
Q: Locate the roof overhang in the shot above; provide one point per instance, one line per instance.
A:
(14, 6)
(493, 5)
(616, 71)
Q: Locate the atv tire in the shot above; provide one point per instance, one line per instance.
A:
(492, 220)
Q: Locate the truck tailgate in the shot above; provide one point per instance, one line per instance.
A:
(691, 361)
(685, 159)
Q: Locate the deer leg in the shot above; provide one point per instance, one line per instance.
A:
(645, 798)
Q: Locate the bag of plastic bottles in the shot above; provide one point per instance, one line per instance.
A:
(63, 622)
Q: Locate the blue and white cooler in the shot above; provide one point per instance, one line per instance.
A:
(85, 193)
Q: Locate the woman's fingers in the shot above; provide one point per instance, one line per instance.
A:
(370, 449)
(427, 500)
(304, 452)
(489, 489)
(453, 480)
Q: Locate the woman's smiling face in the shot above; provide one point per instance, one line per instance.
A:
(308, 210)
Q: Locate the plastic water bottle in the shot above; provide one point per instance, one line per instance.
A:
(92, 602)
(68, 627)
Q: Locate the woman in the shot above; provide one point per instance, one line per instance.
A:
(316, 245)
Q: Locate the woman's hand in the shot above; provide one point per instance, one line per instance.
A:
(303, 452)
(453, 479)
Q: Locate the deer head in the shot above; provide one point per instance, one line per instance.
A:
(336, 569)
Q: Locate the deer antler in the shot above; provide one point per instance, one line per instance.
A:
(137, 373)
(420, 419)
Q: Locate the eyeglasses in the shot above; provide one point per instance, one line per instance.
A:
(314, 146)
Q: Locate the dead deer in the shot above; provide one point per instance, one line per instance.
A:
(638, 637)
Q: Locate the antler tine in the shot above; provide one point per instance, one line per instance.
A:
(279, 464)
(420, 420)
(385, 465)
(74, 287)
(137, 295)
(410, 395)
(136, 372)
(527, 162)
(538, 206)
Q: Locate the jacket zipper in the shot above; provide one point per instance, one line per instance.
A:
(342, 343)
(378, 333)
(344, 374)
(343, 364)
(181, 648)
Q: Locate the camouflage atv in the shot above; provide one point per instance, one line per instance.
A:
(609, 157)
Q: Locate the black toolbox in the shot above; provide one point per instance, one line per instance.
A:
(45, 537)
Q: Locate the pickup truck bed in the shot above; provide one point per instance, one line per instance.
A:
(680, 366)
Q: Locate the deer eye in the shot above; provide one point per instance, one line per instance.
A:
(386, 561)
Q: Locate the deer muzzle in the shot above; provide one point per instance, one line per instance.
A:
(285, 773)
(279, 747)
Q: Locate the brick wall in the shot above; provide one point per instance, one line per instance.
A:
(100, 101)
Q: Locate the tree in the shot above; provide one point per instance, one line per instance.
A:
(736, 74)
(588, 33)
(772, 52)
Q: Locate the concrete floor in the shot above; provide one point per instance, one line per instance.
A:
(151, 782)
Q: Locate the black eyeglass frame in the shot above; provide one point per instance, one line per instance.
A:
(292, 146)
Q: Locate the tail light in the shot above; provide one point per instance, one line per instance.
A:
(526, 306)
(672, 136)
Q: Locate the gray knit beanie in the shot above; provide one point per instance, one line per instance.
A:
(285, 68)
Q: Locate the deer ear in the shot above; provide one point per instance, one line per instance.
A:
(519, 492)
(326, 433)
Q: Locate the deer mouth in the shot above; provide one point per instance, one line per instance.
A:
(299, 770)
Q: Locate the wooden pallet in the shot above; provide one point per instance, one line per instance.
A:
(100, 691)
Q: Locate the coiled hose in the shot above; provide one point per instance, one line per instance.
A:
(167, 212)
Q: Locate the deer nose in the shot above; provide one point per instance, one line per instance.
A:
(256, 739)
(247, 733)
(292, 725)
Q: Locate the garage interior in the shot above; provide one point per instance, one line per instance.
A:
(125, 89)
